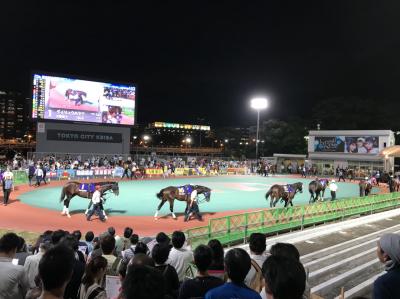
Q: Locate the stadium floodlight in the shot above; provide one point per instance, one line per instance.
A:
(226, 140)
(258, 104)
(188, 140)
(146, 137)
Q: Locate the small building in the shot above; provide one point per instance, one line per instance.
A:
(358, 150)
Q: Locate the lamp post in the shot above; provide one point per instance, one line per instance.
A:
(258, 104)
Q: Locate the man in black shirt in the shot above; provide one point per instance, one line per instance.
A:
(199, 286)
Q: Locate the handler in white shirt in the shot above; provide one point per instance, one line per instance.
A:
(333, 187)
(97, 205)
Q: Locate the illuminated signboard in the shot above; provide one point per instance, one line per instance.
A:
(180, 126)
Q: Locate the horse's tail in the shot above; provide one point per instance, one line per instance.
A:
(160, 194)
(62, 194)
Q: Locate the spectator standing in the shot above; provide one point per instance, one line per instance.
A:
(284, 278)
(107, 247)
(257, 244)
(123, 243)
(160, 255)
(333, 187)
(39, 175)
(31, 266)
(31, 173)
(237, 265)
(55, 270)
(91, 281)
(13, 282)
(8, 185)
(179, 258)
(199, 286)
(217, 268)
(388, 252)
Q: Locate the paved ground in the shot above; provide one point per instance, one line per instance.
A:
(346, 258)
(229, 193)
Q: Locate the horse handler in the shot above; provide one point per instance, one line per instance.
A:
(97, 205)
(333, 187)
(193, 207)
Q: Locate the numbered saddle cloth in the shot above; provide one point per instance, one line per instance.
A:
(323, 182)
(288, 188)
(185, 190)
(87, 187)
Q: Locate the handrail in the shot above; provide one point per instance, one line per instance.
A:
(238, 227)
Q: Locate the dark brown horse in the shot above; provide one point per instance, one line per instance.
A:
(365, 188)
(171, 193)
(72, 189)
(277, 192)
(317, 189)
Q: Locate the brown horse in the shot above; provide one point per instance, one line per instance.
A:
(278, 192)
(171, 193)
(72, 189)
(365, 188)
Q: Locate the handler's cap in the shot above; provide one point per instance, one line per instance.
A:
(366, 178)
(333, 181)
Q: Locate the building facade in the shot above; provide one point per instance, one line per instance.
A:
(358, 150)
(14, 115)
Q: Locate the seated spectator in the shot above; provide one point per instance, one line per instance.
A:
(141, 248)
(237, 265)
(57, 235)
(107, 245)
(82, 246)
(284, 278)
(92, 279)
(290, 251)
(55, 270)
(128, 253)
(216, 268)
(388, 251)
(143, 282)
(31, 266)
(71, 291)
(160, 256)
(89, 236)
(257, 245)
(13, 282)
(22, 252)
(199, 286)
(179, 258)
(123, 243)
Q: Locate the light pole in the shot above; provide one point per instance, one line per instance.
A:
(258, 104)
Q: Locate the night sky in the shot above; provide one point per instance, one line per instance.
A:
(206, 59)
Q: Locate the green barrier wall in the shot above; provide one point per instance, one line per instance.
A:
(239, 227)
(20, 177)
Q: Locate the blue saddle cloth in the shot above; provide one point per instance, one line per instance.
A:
(185, 190)
(87, 187)
(289, 188)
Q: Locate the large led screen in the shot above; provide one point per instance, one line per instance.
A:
(67, 99)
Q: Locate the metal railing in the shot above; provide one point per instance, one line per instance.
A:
(239, 227)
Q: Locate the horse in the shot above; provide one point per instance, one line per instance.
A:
(71, 189)
(365, 188)
(278, 192)
(171, 193)
(315, 188)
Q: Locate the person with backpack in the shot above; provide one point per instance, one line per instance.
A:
(107, 247)
(128, 253)
(91, 282)
(257, 244)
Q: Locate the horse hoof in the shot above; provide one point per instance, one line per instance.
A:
(69, 216)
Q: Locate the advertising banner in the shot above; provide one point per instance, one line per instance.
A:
(83, 136)
(154, 171)
(333, 144)
(362, 145)
(347, 144)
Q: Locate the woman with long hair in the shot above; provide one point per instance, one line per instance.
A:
(92, 280)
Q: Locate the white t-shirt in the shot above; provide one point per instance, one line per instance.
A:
(260, 259)
(333, 187)
(179, 259)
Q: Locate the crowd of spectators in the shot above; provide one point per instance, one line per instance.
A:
(65, 265)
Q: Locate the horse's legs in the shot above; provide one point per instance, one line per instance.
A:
(171, 208)
(66, 207)
(88, 207)
(159, 207)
